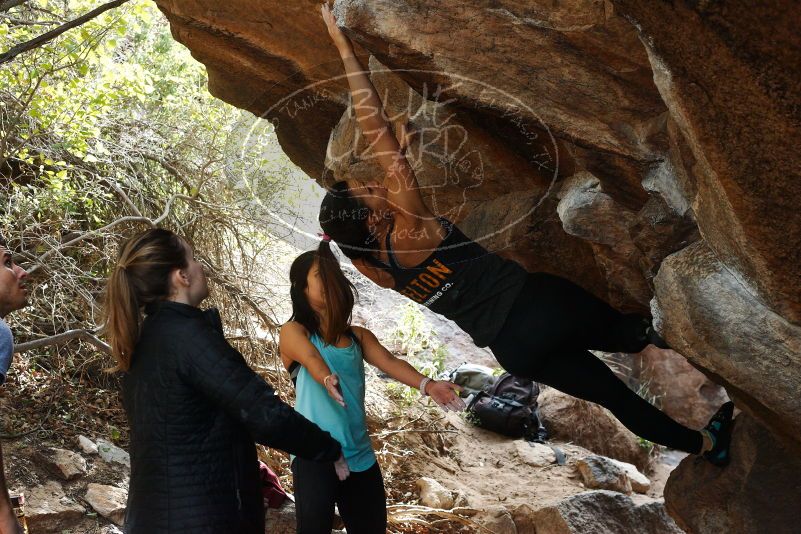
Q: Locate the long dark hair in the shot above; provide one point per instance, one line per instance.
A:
(141, 276)
(344, 218)
(339, 293)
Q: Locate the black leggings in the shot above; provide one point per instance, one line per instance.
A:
(547, 336)
(361, 498)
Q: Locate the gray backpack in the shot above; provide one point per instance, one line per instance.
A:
(473, 378)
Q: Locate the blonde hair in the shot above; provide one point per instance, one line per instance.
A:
(141, 276)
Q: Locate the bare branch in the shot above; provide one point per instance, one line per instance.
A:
(98, 231)
(64, 337)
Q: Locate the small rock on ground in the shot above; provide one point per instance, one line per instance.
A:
(48, 509)
(108, 501)
(66, 464)
(433, 494)
(113, 454)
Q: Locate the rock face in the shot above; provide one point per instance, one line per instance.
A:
(685, 393)
(703, 498)
(588, 138)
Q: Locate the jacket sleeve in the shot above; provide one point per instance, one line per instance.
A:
(219, 372)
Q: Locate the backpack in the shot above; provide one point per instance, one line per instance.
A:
(510, 408)
(473, 378)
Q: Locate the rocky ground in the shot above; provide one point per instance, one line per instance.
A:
(443, 475)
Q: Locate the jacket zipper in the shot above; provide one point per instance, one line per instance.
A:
(236, 482)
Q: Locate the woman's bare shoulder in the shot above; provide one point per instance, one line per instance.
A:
(362, 332)
(294, 327)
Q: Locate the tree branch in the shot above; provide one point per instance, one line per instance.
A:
(152, 222)
(36, 42)
(63, 337)
(8, 4)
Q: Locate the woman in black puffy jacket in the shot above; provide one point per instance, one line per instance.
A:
(194, 406)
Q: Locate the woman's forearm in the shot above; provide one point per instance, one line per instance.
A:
(366, 102)
(404, 372)
(316, 367)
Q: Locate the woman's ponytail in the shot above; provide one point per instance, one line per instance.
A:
(339, 293)
(141, 276)
(122, 317)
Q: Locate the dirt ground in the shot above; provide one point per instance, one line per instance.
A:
(411, 440)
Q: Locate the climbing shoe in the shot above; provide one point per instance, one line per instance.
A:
(719, 429)
(654, 338)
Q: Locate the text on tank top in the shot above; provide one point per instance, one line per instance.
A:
(460, 280)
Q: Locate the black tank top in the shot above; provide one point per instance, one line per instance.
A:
(462, 281)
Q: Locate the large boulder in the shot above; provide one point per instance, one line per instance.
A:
(597, 512)
(713, 317)
(758, 492)
(592, 427)
(674, 123)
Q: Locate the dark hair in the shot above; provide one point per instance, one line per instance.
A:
(3, 241)
(344, 218)
(141, 276)
(339, 293)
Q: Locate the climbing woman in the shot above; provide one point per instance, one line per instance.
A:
(538, 326)
(325, 354)
(193, 405)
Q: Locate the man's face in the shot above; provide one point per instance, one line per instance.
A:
(13, 293)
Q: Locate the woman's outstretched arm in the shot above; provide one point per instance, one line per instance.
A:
(443, 392)
(403, 192)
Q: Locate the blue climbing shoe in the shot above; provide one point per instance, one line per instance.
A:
(719, 428)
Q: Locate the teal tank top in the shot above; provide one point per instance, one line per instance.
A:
(347, 425)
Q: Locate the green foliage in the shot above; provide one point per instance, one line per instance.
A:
(403, 395)
(100, 130)
(415, 338)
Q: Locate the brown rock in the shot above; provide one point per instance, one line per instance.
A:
(597, 512)
(590, 426)
(714, 319)
(433, 494)
(587, 212)
(599, 472)
(48, 510)
(497, 519)
(757, 492)
(475, 134)
(66, 464)
(685, 393)
(728, 75)
(108, 501)
(639, 482)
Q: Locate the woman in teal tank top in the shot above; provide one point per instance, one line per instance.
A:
(326, 355)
